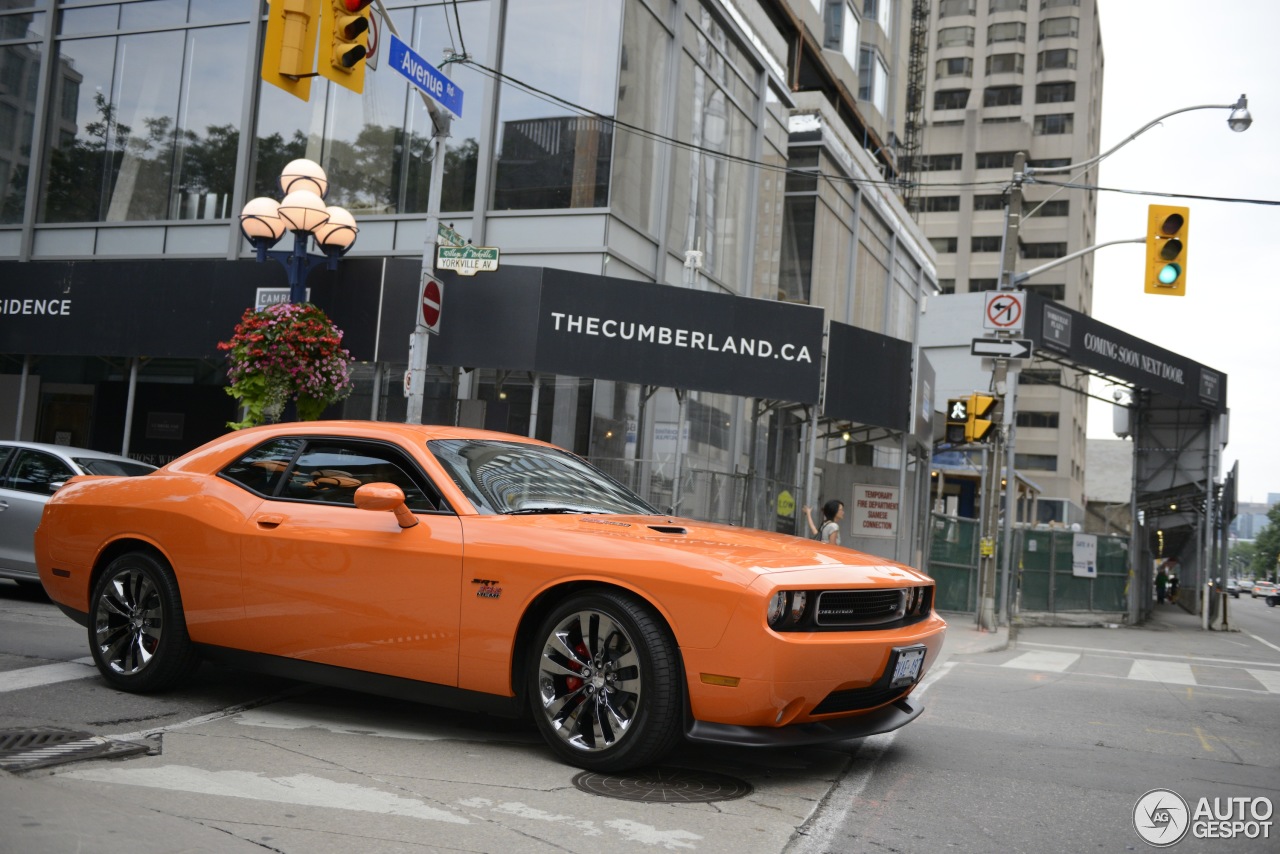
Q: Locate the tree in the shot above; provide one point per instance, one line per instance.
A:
(1267, 546)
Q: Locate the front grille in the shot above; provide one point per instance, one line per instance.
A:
(860, 607)
(856, 699)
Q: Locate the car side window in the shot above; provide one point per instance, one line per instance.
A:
(36, 471)
(330, 471)
(262, 469)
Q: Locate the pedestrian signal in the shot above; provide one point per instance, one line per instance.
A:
(957, 420)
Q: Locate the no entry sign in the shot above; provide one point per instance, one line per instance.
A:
(432, 299)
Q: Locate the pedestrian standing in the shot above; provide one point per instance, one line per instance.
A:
(1162, 582)
(832, 513)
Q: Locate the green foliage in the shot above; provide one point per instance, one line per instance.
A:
(1267, 547)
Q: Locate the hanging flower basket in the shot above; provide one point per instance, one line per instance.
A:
(287, 351)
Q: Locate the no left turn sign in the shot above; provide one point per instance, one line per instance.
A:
(432, 298)
(1004, 310)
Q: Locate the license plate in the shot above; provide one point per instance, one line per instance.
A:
(907, 670)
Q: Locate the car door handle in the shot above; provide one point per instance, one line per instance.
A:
(270, 520)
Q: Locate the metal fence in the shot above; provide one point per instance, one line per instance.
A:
(1044, 568)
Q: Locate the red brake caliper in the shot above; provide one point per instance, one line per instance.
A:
(573, 683)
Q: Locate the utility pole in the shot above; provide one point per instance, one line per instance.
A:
(415, 387)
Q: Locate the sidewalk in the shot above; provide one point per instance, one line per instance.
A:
(964, 637)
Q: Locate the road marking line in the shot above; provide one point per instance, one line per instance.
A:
(1057, 662)
(1119, 654)
(47, 674)
(1167, 672)
(1269, 679)
(301, 789)
(818, 833)
(1261, 641)
(1077, 673)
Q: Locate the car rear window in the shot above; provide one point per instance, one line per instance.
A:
(94, 465)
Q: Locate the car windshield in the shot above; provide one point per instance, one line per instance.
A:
(513, 477)
(96, 465)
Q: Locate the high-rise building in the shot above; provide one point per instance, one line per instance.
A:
(1004, 76)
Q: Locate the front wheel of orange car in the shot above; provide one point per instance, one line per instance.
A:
(137, 629)
(606, 682)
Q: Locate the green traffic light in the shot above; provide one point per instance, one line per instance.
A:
(1169, 274)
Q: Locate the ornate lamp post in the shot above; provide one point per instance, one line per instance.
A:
(302, 210)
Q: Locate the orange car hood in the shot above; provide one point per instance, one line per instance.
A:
(709, 546)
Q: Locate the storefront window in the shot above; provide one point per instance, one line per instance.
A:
(552, 155)
(125, 143)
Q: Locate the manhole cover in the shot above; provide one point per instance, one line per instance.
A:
(664, 785)
(41, 747)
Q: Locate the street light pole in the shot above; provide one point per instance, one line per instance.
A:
(1238, 121)
(263, 221)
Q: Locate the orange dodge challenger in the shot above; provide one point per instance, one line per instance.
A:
(486, 571)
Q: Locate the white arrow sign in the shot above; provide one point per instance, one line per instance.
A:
(1002, 348)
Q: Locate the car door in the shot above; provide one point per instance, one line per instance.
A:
(25, 487)
(327, 582)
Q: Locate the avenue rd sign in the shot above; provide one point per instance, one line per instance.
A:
(424, 75)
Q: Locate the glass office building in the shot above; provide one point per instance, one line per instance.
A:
(724, 146)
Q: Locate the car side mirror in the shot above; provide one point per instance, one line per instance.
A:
(386, 496)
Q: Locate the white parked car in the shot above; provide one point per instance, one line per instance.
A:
(30, 472)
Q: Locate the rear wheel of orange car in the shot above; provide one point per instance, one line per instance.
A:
(606, 682)
(137, 629)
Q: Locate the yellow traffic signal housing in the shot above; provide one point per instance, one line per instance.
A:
(345, 42)
(289, 52)
(978, 427)
(957, 420)
(1166, 271)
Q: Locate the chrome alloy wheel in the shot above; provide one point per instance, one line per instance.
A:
(128, 621)
(589, 681)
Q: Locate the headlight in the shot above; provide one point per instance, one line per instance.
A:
(798, 600)
(777, 609)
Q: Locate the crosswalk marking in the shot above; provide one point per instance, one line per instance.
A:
(47, 674)
(1115, 666)
(1043, 660)
(1168, 672)
(1269, 678)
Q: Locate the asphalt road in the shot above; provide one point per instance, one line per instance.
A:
(1044, 745)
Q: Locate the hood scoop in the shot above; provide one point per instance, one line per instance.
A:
(669, 529)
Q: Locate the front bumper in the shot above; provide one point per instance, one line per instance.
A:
(885, 719)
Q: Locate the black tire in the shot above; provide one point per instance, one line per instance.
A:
(137, 629)
(606, 683)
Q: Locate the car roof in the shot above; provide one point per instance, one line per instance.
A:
(69, 451)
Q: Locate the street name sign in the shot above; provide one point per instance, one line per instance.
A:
(1002, 348)
(467, 260)
(424, 75)
(449, 237)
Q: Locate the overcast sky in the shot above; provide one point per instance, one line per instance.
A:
(1161, 56)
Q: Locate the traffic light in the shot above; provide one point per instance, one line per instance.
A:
(957, 420)
(978, 426)
(289, 52)
(345, 30)
(1167, 227)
